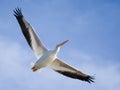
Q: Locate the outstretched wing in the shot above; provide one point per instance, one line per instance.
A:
(28, 32)
(69, 71)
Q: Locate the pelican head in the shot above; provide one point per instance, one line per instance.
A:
(61, 44)
(58, 46)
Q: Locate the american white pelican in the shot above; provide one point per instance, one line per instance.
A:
(47, 58)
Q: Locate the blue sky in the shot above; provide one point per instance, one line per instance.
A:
(92, 26)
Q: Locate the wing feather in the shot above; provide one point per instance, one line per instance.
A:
(69, 71)
(28, 32)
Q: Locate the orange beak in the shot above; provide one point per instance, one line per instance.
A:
(61, 44)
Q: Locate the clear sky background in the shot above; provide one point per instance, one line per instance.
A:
(93, 28)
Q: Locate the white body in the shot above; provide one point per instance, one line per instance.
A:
(46, 59)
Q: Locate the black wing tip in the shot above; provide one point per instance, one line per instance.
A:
(90, 79)
(17, 12)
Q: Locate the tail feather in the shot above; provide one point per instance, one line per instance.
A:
(32, 64)
(34, 68)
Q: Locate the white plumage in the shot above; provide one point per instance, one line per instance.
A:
(47, 58)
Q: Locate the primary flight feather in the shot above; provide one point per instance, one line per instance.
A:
(47, 58)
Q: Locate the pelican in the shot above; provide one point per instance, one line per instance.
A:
(46, 57)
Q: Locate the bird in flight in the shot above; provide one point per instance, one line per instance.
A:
(46, 57)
